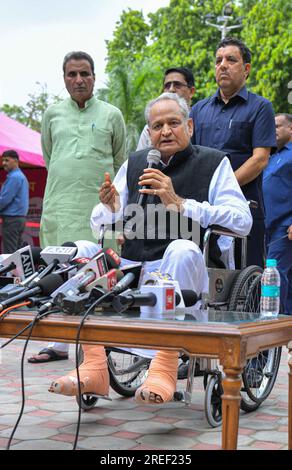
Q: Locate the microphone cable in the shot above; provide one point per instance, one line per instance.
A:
(32, 324)
(7, 310)
(77, 344)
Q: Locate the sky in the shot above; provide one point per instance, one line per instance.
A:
(35, 36)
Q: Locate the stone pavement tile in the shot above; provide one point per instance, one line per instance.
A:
(111, 421)
(63, 437)
(275, 411)
(126, 434)
(181, 412)
(59, 405)
(166, 441)
(199, 424)
(14, 408)
(109, 443)
(271, 436)
(206, 447)
(259, 425)
(142, 447)
(260, 445)
(29, 432)
(186, 433)
(133, 416)
(42, 444)
(147, 427)
(11, 419)
(215, 438)
(72, 416)
(118, 403)
(164, 419)
(91, 429)
(42, 413)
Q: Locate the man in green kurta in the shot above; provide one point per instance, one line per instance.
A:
(82, 137)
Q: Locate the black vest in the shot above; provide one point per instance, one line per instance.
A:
(191, 171)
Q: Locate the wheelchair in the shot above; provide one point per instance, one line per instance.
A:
(236, 290)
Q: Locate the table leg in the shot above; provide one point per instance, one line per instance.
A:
(290, 396)
(230, 408)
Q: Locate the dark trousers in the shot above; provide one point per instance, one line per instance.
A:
(12, 230)
(255, 245)
(281, 250)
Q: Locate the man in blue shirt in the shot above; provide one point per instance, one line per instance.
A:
(14, 202)
(241, 124)
(277, 191)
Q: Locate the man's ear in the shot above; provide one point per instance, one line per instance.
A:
(247, 68)
(190, 125)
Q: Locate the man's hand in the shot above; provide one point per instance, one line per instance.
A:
(160, 185)
(289, 230)
(108, 194)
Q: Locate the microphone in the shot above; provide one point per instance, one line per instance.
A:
(123, 284)
(62, 254)
(112, 258)
(84, 279)
(167, 299)
(45, 286)
(20, 263)
(153, 159)
(75, 303)
(137, 299)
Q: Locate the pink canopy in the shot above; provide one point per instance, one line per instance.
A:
(24, 140)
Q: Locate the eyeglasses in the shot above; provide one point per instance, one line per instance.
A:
(175, 84)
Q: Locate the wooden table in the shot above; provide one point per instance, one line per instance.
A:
(229, 336)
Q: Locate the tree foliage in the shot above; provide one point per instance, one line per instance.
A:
(31, 114)
(177, 35)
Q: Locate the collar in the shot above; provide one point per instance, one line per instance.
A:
(178, 157)
(287, 146)
(243, 94)
(87, 103)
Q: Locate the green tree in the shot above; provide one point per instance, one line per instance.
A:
(270, 39)
(129, 39)
(31, 114)
(178, 35)
(124, 90)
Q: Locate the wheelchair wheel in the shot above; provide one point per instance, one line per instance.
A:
(260, 372)
(213, 402)
(127, 371)
(244, 292)
(258, 377)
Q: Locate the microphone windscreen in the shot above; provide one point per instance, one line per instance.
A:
(50, 283)
(69, 244)
(153, 157)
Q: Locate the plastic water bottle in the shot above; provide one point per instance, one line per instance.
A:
(270, 290)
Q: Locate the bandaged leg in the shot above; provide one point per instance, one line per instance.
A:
(160, 384)
(93, 372)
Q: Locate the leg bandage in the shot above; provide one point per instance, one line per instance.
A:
(93, 372)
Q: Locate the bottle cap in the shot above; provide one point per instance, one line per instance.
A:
(271, 263)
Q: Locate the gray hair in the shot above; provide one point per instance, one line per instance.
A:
(168, 96)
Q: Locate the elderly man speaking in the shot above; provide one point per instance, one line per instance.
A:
(192, 183)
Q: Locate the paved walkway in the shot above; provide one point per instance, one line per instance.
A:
(49, 421)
